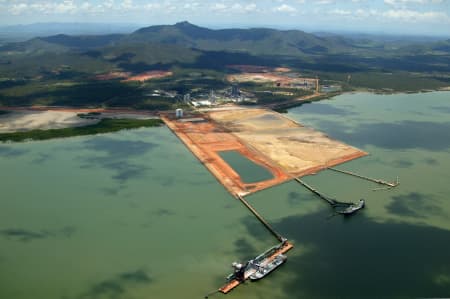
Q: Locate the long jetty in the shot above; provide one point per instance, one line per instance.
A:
(378, 181)
(321, 195)
(284, 247)
(261, 219)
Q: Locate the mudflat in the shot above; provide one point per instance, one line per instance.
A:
(44, 120)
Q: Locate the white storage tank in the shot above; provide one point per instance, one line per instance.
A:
(179, 113)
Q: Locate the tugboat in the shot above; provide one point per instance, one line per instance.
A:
(267, 267)
(352, 208)
(239, 271)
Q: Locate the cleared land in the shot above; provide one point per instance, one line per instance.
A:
(278, 79)
(129, 77)
(284, 147)
(296, 149)
(148, 76)
(205, 138)
(247, 68)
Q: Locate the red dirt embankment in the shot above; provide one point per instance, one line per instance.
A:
(129, 77)
(148, 76)
(282, 146)
(206, 139)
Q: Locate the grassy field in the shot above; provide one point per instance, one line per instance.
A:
(104, 126)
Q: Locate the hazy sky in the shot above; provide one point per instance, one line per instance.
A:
(394, 16)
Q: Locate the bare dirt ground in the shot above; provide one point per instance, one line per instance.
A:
(247, 68)
(113, 75)
(271, 77)
(129, 77)
(148, 76)
(298, 150)
(282, 69)
(206, 139)
(284, 147)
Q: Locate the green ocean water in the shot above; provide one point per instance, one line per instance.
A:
(134, 215)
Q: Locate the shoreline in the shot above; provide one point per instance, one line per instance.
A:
(105, 125)
(21, 119)
(46, 123)
(282, 108)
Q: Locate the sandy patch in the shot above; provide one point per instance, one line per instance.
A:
(148, 76)
(113, 75)
(298, 150)
(278, 79)
(246, 68)
(252, 120)
(282, 69)
(43, 120)
(129, 77)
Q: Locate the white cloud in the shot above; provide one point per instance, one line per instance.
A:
(65, 7)
(89, 8)
(62, 7)
(397, 15)
(340, 12)
(191, 5)
(408, 2)
(324, 2)
(285, 8)
(86, 6)
(366, 13)
(218, 7)
(152, 6)
(416, 16)
(127, 4)
(236, 8)
(108, 4)
(251, 7)
(17, 9)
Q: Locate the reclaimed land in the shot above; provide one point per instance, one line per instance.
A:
(296, 149)
(285, 148)
(206, 139)
(106, 125)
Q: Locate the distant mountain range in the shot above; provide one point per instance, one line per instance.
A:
(46, 29)
(193, 46)
(259, 41)
(61, 69)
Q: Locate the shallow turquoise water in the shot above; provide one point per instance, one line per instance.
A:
(134, 215)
